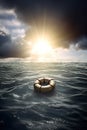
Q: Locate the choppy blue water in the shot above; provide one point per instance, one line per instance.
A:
(63, 109)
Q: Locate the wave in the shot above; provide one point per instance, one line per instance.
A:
(63, 109)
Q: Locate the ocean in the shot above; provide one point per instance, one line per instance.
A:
(21, 107)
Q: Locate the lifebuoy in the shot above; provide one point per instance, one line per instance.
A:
(44, 85)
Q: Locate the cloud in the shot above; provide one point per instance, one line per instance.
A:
(4, 38)
(11, 24)
(66, 19)
(10, 48)
(82, 44)
(71, 54)
(63, 21)
(12, 32)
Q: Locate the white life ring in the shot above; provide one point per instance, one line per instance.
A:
(44, 84)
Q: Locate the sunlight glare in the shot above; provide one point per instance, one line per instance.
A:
(41, 47)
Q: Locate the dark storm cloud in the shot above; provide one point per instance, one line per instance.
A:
(65, 19)
(8, 48)
(11, 24)
(7, 16)
(82, 44)
(4, 38)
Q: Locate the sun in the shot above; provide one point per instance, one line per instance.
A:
(41, 47)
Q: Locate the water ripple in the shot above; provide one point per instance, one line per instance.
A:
(63, 109)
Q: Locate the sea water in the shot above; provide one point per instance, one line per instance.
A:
(65, 108)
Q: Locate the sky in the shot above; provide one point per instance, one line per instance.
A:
(62, 23)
